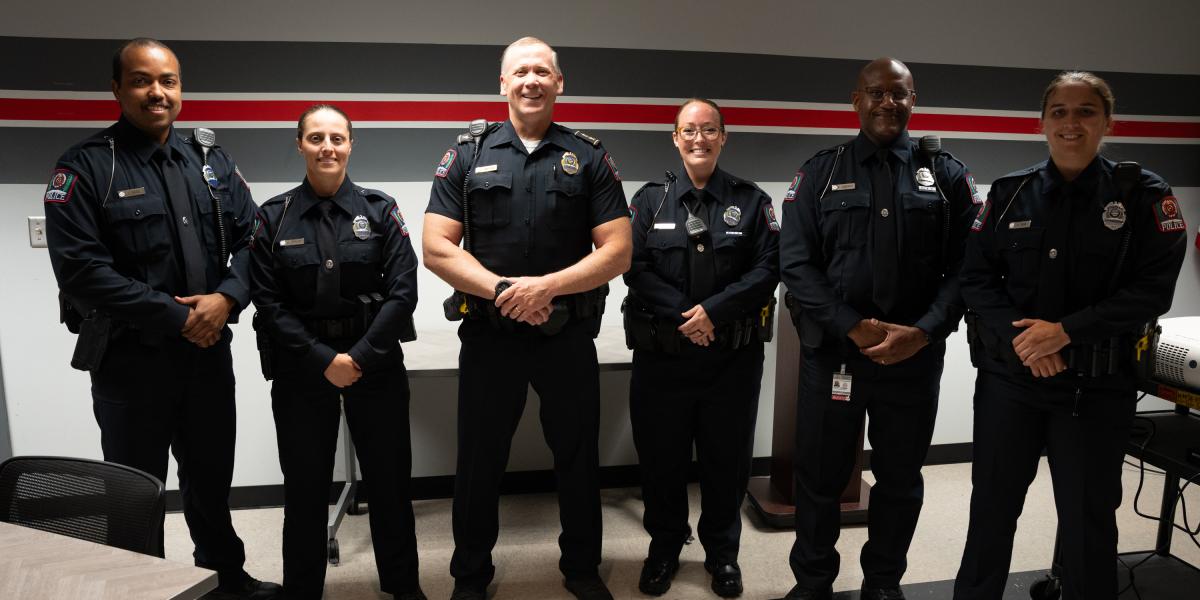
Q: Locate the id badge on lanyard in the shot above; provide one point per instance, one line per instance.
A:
(841, 385)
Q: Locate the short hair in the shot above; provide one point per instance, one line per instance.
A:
(316, 107)
(530, 41)
(693, 100)
(1097, 84)
(118, 58)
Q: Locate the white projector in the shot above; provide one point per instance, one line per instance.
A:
(1177, 354)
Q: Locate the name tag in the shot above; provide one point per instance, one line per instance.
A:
(926, 188)
(295, 242)
(485, 169)
(664, 226)
(842, 187)
(132, 193)
(735, 233)
(1020, 224)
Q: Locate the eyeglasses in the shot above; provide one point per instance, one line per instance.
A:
(689, 133)
(900, 95)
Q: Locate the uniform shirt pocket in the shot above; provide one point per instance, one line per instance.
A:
(1020, 249)
(922, 231)
(668, 252)
(490, 196)
(844, 218)
(299, 266)
(140, 225)
(569, 196)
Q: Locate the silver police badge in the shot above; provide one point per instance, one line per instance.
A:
(361, 227)
(1114, 215)
(570, 163)
(732, 216)
(924, 176)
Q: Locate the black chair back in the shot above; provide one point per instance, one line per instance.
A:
(90, 500)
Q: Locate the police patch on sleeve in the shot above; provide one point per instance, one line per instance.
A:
(62, 184)
(612, 166)
(981, 217)
(791, 191)
(1167, 215)
(258, 221)
(632, 212)
(976, 197)
(399, 219)
(769, 215)
(443, 168)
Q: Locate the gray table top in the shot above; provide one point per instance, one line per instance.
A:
(435, 352)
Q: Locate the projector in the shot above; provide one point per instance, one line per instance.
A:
(1169, 364)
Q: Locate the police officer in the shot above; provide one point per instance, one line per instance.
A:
(1067, 263)
(147, 231)
(335, 282)
(531, 198)
(705, 267)
(872, 242)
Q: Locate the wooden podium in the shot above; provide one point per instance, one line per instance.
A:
(772, 497)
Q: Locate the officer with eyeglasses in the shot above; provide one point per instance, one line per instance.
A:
(872, 241)
(703, 276)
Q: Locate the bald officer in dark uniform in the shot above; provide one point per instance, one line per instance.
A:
(872, 241)
(538, 197)
(148, 231)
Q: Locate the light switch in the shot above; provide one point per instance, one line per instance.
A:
(37, 232)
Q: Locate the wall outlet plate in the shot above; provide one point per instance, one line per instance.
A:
(37, 232)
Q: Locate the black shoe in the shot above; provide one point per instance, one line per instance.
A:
(726, 579)
(800, 593)
(416, 594)
(246, 589)
(657, 575)
(592, 588)
(890, 593)
(467, 593)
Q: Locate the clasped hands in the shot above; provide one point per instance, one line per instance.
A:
(1038, 346)
(527, 300)
(207, 314)
(887, 343)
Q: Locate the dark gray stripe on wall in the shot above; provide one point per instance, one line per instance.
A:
(412, 154)
(278, 67)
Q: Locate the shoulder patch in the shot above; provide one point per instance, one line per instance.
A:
(1167, 215)
(258, 223)
(587, 138)
(399, 220)
(61, 186)
(790, 196)
(612, 164)
(443, 168)
(981, 216)
(976, 197)
(769, 215)
(632, 212)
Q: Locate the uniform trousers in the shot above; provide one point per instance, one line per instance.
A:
(707, 397)
(496, 368)
(1016, 418)
(307, 408)
(157, 395)
(901, 400)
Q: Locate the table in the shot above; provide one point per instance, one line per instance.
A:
(435, 354)
(40, 565)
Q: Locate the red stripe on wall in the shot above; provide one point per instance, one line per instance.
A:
(25, 109)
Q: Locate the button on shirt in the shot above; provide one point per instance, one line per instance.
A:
(741, 246)
(531, 213)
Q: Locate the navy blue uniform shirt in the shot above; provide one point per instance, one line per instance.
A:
(1045, 248)
(825, 245)
(531, 213)
(112, 237)
(374, 254)
(743, 235)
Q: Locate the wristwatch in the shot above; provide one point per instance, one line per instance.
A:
(502, 285)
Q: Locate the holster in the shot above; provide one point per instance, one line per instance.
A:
(95, 329)
(266, 351)
(809, 331)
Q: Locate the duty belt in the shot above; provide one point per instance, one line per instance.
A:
(335, 329)
(645, 331)
(566, 308)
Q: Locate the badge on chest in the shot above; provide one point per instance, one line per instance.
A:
(361, 227)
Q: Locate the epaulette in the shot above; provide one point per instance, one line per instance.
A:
(587, 138)
(478, 128)
(371, 194)
(1020, 173)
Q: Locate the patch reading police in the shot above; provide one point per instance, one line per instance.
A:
(1114, 215)
(772, 222)
(443, 168)
(569, 163)
(612, 166)
(61, 186)
(976, 197)
(361, 227)
(732, 216)
(791, 191)
(399, 219)
(1166, 213)
(981, 217)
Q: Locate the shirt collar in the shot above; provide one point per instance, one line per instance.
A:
(141, 145)
(308, 198)
(1085, 183)
(715, 188)
(864, 148)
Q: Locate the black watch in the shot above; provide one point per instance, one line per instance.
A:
(502, 285)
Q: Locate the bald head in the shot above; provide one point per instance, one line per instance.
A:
(884, 99)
